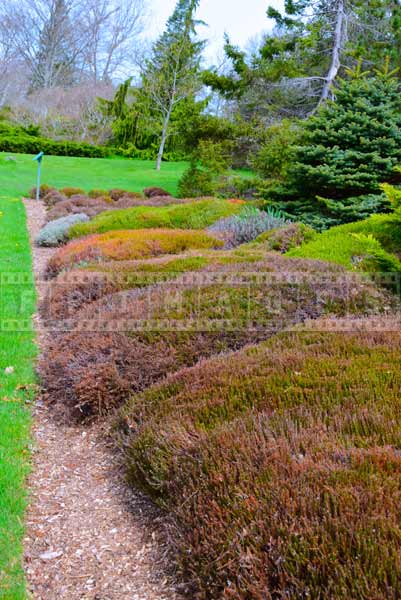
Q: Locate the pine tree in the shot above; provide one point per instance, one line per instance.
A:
(171, 75)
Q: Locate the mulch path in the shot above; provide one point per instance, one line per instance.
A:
(88, 535)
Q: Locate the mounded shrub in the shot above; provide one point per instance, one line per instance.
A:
(142, 335)
(116, 194)
(280, 466)
(56, 232)
(72, 191)
(128, 245)
(53, 197)
(195, 215)
(72, 290)
(87, 205)
(43, 191)
(358, 246)
(98, 193)
(155, 191)
(287, 237)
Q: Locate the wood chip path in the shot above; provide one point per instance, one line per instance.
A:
(88, 536)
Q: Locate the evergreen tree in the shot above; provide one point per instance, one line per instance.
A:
(347, 149)
(172, 74)
(353, 143)
(311, 44)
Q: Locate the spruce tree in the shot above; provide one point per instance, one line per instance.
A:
(353, 143)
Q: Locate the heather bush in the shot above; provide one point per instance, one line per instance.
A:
(279, 465)
(152, 332)
(285, 238)
(155, 191)
(72, 191)
(43, 191)
(56, 232)
(373, 244)
(52, 198)
(195, 215)
(246, 226)
(84, 204)
(98, 193)
(71, 290)
(128, 245)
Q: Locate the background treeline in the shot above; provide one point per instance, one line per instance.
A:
(312, 110)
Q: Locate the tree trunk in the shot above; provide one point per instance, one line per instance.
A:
(336, 52)
(163, 140)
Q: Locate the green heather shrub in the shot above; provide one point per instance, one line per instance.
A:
(280, 466)
(364, 245)
(246, 226)
(56, 232)
(98, 193)
(72, 191)
(195, 215)
(285, 238)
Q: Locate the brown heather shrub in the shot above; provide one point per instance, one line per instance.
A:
(72, 191)
(281, 467)
(150, 192)
(43, 190)
(85, 204)
(117, 194)
(128, 245)
(197, 315)
(52, 198)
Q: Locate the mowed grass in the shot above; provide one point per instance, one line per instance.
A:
(19, 175)
(17, 350)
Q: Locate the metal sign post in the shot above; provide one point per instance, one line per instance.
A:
(38, 158)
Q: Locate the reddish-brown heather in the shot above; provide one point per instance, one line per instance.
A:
(281, 466)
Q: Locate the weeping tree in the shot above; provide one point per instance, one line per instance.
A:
(172, 73)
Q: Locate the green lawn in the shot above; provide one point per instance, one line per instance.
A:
(17, 350)
(16, 178)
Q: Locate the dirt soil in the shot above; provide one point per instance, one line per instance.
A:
(88, 535)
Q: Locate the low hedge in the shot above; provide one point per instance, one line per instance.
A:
(27, 144)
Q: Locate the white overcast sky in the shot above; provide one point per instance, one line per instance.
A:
(241, 19)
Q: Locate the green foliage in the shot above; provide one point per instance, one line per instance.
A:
(274, 159)
(393, 194)
(32, 144)
(196, 215)
(285, 238)
(209, 163)
(353, 143)
(366, 245)
(17, 350)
